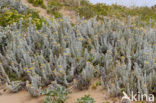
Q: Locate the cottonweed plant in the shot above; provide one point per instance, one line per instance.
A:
(12, 4)
(123, 55)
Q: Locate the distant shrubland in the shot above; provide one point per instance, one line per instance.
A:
(83, 8)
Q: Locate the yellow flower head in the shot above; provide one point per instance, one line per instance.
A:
(79, 34)
(28, 71)
(85, 21)
(80, 39)
(55, 71)
(25, 68)
(146, 62)
(59, 66)
(27, 83)
(67, 54)
(119, 40)
(109, 51)
(31, 68)
(55, 33)
(122, 57)
(113, 84)
(41, 66)
(122, 65)
(62, 71)
(75, 81)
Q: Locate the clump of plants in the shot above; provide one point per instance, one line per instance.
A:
(12, 4)
(37, 3)
(57, 95)
(95, 85)
(10, 17)
(86, 99)
(54, 7)
(10, 14)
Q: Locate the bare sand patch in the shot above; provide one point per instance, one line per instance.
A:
(42, 11)
(70, 14)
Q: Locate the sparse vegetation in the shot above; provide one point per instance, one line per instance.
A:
(53, 8)
(95, 85)
(58, 95)
(88, 10)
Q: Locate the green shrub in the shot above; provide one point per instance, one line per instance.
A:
(11, 16)
(37, 3)
(86, 12)
(54, 7)
(86, 99)
(56, 96)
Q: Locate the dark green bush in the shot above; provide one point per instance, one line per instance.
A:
(57, 95)
(11, 16)
(37, 3)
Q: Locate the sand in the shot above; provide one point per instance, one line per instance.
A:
(69, 14)
(25, 97)
(20, 97)
(99, 95)
(42, 11)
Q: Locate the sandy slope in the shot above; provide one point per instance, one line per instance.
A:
(20, 97)
(23, 96)
(98, 94)
(42, 12)
(69, 14)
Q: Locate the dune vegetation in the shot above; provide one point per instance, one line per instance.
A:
(46, 56)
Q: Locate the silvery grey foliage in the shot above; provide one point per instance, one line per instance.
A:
(12, 4)
(85, 77)
(124, 55)
(14, 86)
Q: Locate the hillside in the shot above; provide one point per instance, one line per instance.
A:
(68, 8)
